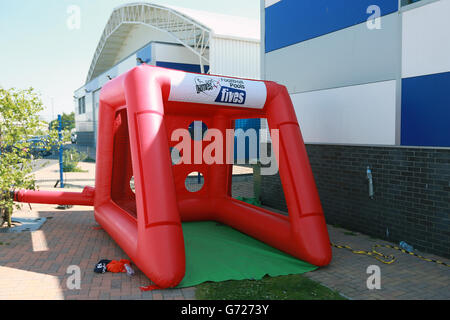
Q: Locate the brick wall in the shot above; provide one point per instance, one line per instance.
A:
(412, 192)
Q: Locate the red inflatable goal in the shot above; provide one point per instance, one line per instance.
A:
(139, 113)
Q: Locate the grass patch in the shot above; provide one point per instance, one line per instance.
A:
(292, 287)
(350, 233)
(74, 169)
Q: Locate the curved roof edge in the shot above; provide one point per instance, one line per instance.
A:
(194, 29)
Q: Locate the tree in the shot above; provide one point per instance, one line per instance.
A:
(68, 122)
(19, 120)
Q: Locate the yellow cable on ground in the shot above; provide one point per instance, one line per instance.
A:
(384, 258)
(377, 255)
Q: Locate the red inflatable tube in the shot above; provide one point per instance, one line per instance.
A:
(139, 112)
(85, 198)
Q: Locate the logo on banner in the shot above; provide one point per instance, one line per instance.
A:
(206, 86)
(230, 95)
(231, 91)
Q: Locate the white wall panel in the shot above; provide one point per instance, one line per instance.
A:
(84, 122)
(347, 57)
(235, 58)
(127, 64)
(269, 3)
(363, 114)
(175, 53)
(139, 36)
(426, 39)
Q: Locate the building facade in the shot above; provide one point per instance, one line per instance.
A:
(369, 80)
(170, 37)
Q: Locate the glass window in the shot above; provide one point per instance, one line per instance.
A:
(406, 2)
(81, 105)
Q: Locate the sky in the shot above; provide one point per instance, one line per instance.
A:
(39, 50)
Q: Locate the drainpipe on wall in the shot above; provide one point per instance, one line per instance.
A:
(370, 179)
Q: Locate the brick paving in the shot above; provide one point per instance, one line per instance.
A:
(35, 265)
(408, 278)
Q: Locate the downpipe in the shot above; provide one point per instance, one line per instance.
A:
(370, 180)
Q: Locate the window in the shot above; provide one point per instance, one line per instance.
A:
(81, 105)
(406, 2)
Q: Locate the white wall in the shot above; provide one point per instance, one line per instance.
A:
(127, 65)
(235, 58)
(347, 57)
(138, 37)
(174, 53)
(426, 39)
(363, 114)
(269, 3)
(84, 122)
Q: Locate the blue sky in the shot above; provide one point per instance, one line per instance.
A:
(39, 50)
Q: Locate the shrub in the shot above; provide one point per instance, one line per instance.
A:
(19, 121)
(71, 158)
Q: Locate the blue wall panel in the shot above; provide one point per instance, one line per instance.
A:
(292, 21)
(426, 110)
(246, 124)
(181, 66)
(145, 53)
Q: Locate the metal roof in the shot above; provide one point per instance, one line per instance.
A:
(194, 29)
(225, 26)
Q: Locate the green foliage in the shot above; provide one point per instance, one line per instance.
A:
(68, 122)
(292, 287)
(252, 201)
(19, 121)
(71, 158)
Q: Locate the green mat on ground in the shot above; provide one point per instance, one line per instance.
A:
(215, 252)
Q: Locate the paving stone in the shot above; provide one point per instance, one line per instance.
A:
(67, 236)
(407, 278)
(71, 240)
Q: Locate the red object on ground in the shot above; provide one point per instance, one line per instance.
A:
(139, 113)
(117, 266)
(149, 288)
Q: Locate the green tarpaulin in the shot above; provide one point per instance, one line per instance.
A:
(215, 252)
